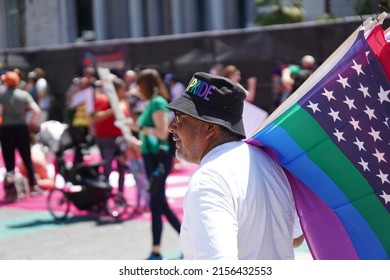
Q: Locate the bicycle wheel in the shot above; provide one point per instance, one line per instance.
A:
(58, 204)
(115, 205)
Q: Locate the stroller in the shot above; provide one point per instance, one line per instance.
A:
(84, 186)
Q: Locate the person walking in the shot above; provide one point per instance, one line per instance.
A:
(15, 131)
(239, 204)
(152, 126)
(106, 132)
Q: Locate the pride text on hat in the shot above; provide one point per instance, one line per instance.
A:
(200, 88)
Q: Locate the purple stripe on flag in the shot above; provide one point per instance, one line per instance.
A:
(320, 222)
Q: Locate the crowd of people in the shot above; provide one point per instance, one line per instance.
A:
(169, 123)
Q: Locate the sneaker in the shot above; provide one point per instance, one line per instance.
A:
(36, 190)
(154, 256)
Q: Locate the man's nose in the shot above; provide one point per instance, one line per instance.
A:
(172, 126)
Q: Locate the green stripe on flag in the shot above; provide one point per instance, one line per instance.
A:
(311, 138)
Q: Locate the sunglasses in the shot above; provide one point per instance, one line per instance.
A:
(179, 116)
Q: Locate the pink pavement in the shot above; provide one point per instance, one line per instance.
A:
(177, 183)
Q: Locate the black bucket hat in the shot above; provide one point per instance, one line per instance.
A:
(213, 99)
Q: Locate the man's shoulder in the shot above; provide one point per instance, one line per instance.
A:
(226, 157)
(21, 93)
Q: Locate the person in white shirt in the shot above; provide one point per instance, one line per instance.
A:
(239, 204)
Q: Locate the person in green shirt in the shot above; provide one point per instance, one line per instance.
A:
(152, 126)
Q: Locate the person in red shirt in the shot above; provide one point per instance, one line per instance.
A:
(106, 132)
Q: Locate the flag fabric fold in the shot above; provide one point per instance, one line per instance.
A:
(380, 47)
(333, 140)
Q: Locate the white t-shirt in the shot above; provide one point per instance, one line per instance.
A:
(238, 205)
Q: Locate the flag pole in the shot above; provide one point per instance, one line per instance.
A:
(372, 24)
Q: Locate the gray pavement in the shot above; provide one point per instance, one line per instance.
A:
(35, 235)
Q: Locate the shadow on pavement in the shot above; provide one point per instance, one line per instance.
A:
(100, 221)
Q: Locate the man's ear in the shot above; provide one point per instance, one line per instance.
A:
(213, 130)
(210, 129)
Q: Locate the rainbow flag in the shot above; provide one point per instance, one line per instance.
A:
(332, 137)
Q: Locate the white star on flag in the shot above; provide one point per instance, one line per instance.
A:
(375, 134)
(379, 156)
(314, 107)
(360, 144)
(349, 102)
(339, 135)
(343, 81)
(358, 68)
(364, 90)
(355, 124)
(364, 164)
(334, 114)
(383, 177)
(328, 94)
(370, 113)
(385, 196)
(386, 122)
(383, 95)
